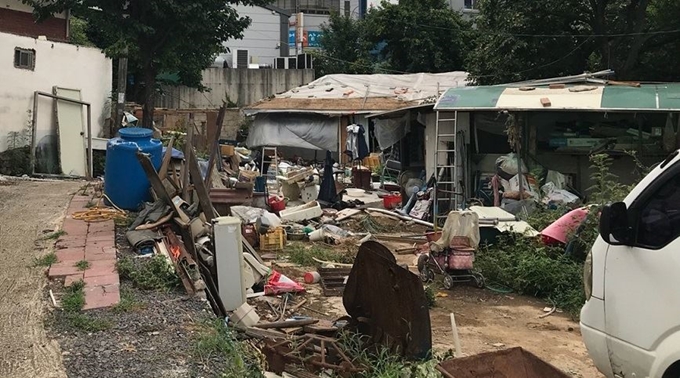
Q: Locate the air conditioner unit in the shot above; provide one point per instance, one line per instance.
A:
(280, 63)
(304, 61)
(240, 58)
(292, 63)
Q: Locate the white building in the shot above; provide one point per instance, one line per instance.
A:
(37, 59)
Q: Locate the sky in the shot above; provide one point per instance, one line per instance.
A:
(376, 3)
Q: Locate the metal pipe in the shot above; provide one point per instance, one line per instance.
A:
(34, 127)
(402, 217)
(90, 171)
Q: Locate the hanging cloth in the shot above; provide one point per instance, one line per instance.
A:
(327, 192)
(361, 142)
(356, 147)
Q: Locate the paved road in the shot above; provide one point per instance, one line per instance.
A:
(27, 210)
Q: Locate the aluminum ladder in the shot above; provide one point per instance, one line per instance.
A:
(446, 189)
(273, 162)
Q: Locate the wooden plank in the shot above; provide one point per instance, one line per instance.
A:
(214, 145)
(287, 324)
(166, 159)
(199, 187)
(157, 185)
(188, 147)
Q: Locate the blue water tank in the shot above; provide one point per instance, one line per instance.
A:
(125, 182)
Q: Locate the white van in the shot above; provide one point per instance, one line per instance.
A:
(631, 320)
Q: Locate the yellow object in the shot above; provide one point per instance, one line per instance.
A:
(227, 150)
(273, 241)
(247, 176)
(100, 213)
(371, 162)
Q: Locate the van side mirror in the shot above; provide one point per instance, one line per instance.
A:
(614, 224)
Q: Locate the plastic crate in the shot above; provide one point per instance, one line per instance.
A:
(273, 241)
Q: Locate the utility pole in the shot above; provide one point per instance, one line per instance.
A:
(121, 89)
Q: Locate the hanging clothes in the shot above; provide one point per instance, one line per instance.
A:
(356, 147)
(327, 192)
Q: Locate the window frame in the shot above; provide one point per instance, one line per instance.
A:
(19, 52)
(639, 204)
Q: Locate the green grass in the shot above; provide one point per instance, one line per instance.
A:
(128, 302)
(82, 265)
(214, 339)
(148, 274)
(45, 260)
(86, 323)
(74, 297)
(54, 235)
(304, 255)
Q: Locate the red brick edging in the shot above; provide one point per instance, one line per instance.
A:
(95, 243)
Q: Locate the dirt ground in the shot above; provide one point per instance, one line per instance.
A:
(487, 321)
(29, 210)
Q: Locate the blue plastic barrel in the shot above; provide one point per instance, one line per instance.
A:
(125, 182)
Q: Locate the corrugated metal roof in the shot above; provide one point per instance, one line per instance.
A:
(588, 97)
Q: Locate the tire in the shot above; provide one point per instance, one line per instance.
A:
(447, 282)
(479, 280)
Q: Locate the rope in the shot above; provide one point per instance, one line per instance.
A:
(100, 213)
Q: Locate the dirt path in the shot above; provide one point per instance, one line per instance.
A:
(27, 210)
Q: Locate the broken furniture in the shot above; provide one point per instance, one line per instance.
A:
(229, 262)
(315, 352)
(333, 280)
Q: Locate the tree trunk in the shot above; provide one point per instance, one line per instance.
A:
(149, 96)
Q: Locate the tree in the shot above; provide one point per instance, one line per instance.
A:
(343, 47)
(419, 35)
(160, 36)
(524, 39)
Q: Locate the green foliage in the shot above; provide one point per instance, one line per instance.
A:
(528, 267)
(415, 35)
(304, 255)
(78, 32)
(431, 297)
(82, 265)
(215, 339)
(525, 39)
(45, 260)
(55, 235)
(128, 302)
(86, 322)
(157, 36)
(16, 161)
(73, 299)
(148, 274)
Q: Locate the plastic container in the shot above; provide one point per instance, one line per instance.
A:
(391, 201)
(312, 277)
(273, 241)
(245, 316)
(276, 203)
(125, 182)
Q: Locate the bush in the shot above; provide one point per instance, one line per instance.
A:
(148, 274)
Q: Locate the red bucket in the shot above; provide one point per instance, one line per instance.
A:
(391, 201)
(277, 204)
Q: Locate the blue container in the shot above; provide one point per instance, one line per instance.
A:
(125, 182)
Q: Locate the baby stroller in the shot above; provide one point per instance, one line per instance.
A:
(455, 262)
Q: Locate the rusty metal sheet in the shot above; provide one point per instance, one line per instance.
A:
(389, 302)
(508, 363)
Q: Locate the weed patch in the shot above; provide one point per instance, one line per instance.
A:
(86, 323)
(128, 302)
(55, 235)
(216, 340)
(45, 260)
(82, 265)
(303, 255)
(148, 274)
(431, 297)
(74, 297)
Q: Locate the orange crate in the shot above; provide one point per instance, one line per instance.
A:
(273, 241)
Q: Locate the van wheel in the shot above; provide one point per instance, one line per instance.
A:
(673, 371)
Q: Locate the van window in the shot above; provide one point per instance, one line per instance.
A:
(659, 222)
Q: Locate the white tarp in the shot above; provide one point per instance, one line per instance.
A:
(316, 132)
(389, 131)
(409, 87)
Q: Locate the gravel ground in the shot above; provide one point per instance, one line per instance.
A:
(155, 337)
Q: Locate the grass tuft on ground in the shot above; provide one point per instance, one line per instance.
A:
(304, 255)
(128, 302)
(45, 260)
(72, 303)
(82, 265)
(54, 235)
(154, 273)
(216, 340)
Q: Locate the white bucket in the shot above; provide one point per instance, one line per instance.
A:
(316, 235)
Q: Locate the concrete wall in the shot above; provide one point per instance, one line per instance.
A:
(241, 86)
(17, 18)
(56, 64)
(266, 38)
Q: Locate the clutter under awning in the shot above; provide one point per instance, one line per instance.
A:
(311, 131)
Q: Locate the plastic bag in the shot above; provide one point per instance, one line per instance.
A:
(279, 284)
(508, 165)
(552, 194)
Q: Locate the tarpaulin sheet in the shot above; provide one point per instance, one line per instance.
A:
(389, 131)
(316, 132)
